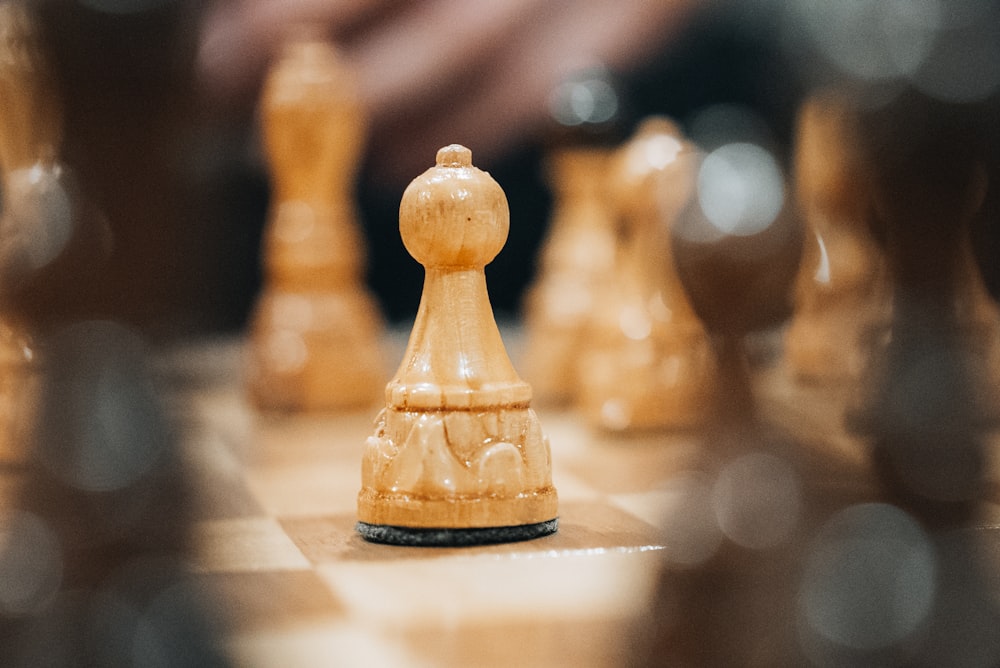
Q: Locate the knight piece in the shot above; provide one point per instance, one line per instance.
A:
(458, 456)
(648, 363)
(314, 338)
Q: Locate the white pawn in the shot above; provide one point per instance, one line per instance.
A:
(458, 456)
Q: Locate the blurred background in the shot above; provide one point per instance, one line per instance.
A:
(161, 131)
(160, 103)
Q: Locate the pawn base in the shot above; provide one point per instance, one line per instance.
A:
(450, 537)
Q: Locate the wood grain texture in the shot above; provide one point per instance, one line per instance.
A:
(457, 445)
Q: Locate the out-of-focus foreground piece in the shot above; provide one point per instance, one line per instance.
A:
(30, 136)
(95, 543)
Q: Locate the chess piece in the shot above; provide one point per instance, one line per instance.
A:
(32, 119)
(841, 300)
(17, 368)
(30, 130)
(747, 511)
(577, 262)
(99, 538)
(458, 456)
(936, 379)
(647, 364)
(577, 258)
(314, 339)
(53, 239)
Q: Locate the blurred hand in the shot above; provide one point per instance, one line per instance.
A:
(440, 71)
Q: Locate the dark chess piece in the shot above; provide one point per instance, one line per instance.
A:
(96, 540)
(935, 382)
(780, 552)
(728, 593)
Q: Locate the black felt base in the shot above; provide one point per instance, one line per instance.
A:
(393, 535)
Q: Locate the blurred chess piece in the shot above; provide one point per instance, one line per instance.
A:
(458, 456)
(737, 526)
(26, 89)
(32, 120)
(16, 390)
(316, 332)
(647, 363)
(929, 393)
(936, 381)
(775, 552)
(53, 240)
(841, 297)
(50, 240)
(577, 258)
(95, 547)
(780, 552)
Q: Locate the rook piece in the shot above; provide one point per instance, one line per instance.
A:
(315, 333)
(648, 364)
(458, 456)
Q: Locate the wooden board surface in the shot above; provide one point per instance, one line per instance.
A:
(295, 585)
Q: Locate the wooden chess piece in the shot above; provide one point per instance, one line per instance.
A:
(577, 263)
(841, 297)
(314, 339)
(935, 383)
(17, 372)
(747, 512)
(30, 135)
(32, 118)
(648, 364)
(458, 456)
(103, 519)
(577, 259)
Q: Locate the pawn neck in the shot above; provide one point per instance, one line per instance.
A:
(456, 358)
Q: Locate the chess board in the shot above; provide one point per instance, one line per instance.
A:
(276, 544)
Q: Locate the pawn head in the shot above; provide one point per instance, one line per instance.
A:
(454, 214)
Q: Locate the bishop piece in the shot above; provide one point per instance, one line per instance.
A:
(313, 341)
